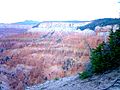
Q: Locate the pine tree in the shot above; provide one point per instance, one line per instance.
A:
(107, 55)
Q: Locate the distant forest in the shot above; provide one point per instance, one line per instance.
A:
(100, 22)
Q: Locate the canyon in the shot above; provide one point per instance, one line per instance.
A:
(31, 55)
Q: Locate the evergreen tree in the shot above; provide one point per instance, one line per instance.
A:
(107, 55)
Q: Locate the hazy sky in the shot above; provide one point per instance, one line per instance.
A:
(19, 10)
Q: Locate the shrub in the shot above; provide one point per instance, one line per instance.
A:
(56, 78)
(105, 57)
(114, 43)
(84, 75)
(100, 59)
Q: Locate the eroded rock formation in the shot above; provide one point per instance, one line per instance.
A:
(32, 58)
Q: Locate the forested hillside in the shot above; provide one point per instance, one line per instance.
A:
(100, 22)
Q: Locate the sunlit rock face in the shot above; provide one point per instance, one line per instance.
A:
(57, 26)
(31, 58)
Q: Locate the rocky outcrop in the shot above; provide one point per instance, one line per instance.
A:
(107, 81)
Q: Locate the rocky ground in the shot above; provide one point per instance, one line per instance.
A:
(106, 81)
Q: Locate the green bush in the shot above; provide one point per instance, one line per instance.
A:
(56, 78)
(105, 57)
(84, 75)
(100, 59)
(114, 43)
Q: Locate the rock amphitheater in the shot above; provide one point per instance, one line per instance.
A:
(30, 58)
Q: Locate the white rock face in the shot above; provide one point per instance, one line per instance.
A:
(108, 27)
(57, 26)
(62, 27)
(88, 32)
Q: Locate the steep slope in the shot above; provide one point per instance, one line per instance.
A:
(106, 81)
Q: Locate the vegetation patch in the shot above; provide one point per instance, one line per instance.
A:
(105, 57)
(56, 78)
(100, 22)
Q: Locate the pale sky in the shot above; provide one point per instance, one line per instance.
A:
(44, 10)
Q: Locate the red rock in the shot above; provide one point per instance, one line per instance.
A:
(38, 60)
